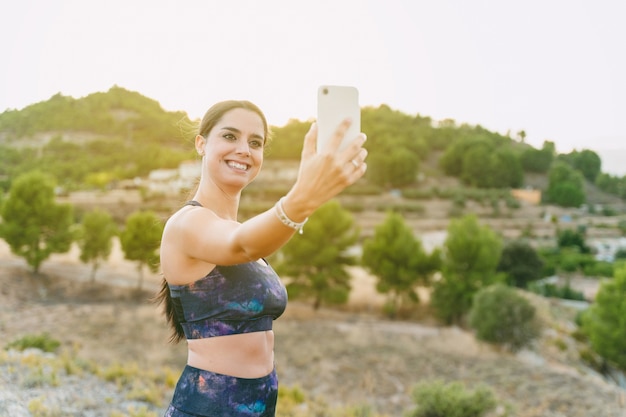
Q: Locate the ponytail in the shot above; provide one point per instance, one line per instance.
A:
(169, 309)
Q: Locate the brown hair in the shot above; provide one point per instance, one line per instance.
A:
(210, 119)
(215, 113)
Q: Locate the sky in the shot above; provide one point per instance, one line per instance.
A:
(555, 69)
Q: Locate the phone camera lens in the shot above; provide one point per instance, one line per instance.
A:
(325, 91)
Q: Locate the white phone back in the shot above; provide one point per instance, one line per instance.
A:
(335, 104)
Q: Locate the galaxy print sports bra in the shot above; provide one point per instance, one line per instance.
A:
(230, 300)
(234, 299)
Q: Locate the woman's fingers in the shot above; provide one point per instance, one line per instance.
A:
(338, 136)
(325, 174)
(359, 158)
(310, 141)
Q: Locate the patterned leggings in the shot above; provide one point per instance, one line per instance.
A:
(201, 393)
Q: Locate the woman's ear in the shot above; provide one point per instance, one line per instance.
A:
(200, 142)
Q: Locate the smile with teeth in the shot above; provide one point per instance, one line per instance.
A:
(237, 165)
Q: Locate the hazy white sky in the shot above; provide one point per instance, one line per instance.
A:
(554, 68)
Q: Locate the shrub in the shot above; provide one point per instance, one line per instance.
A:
(551, 257)
(569, 262)
(501, 316)
(419, 194)
(293, 402)
(521, 262)
(603, 322)
(565, 292)
(599, 269)
(38, 408)
(41, 341)
(512, 202)
(438, 399)
(458, 200)
(621, 225)
(572, 238)
(363, 189)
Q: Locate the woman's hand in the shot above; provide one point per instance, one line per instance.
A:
(324, 175)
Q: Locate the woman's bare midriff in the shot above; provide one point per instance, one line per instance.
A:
(247, 355)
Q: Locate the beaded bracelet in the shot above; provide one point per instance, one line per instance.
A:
(280, 213)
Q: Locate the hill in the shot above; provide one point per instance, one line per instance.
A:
(92, 141)
(117, 112)
(95, 141)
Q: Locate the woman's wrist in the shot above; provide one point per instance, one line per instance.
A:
(285, 219)
(297, 209)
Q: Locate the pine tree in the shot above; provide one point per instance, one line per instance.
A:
(34, 225)
(604, 321)
(95, 241)
(315, 261)
(399, 261)
(471, 255)
(141, 240)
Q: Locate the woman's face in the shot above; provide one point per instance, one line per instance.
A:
(233, 149)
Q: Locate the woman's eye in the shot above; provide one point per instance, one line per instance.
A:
(256, 144)
(229, 136)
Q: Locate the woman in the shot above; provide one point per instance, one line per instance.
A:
(219, 292)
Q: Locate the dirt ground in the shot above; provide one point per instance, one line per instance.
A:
(348, 356)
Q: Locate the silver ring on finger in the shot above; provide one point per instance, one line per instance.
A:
(355, 163)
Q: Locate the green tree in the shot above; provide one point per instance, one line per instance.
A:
(521, 263)
(587, 162)
(603, 322)
(452, 160)
(399, 261)
(568, 238)
(470, 257)
(477, 167)
(565, 185)
(506, 169)
(608, 183)
(95, 239)
(286, 141)
(482, 160)
(393, 168)
(316, 261)
(34, 225)
(500, 315)
(141, 240)
(538, 160)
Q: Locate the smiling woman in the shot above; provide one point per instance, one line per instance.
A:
(220, 294)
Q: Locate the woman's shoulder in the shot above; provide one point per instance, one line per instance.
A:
(190, 214)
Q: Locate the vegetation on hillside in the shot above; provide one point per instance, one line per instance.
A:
(104, 137)
(117, 112)
(97, 139)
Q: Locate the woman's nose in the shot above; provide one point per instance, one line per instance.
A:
(243, 147)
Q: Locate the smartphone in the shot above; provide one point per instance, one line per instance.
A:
(335, 103)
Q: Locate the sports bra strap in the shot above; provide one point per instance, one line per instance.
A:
(192, 203)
